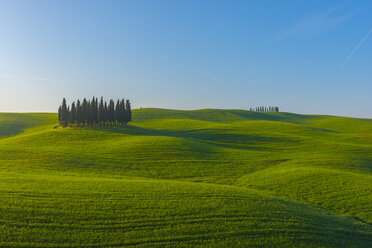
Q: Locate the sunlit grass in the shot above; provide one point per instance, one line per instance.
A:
(217, 178)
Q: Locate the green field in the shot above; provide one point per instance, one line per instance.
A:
(204, 178)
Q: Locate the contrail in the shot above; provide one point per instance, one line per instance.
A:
(356, 48)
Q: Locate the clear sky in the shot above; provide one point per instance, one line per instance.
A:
(303, 56)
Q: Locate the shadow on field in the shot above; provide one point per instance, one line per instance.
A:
(11, 129)
(217, 137)
(219, 115)
(12, 124)
(272, 116)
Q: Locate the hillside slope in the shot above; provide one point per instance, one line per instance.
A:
(217, 178)
(55, 211)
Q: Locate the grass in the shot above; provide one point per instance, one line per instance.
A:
(208, 178)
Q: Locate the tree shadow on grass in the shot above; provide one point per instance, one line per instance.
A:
(8, 129)
(217, 137)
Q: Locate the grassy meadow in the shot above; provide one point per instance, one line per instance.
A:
(203, 178)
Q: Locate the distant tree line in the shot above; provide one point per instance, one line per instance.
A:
(95, 113)
(265, 109)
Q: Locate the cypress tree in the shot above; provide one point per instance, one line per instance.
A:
(84, 107)
(111, 110)
(122, 111)
(128, 112)
(96, 120)
(117, 112)
(64, 113)
(60, 115)
(89, 111)
(94, 111)
(79, 111)
(101, 111)
(106, 119)
(73, 113)
(68, 115)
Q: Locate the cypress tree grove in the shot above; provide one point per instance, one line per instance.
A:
(264, 109)
(92, 113)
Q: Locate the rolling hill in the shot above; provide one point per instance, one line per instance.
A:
(203, 178)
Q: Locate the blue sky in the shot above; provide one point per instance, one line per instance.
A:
(188, 54)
